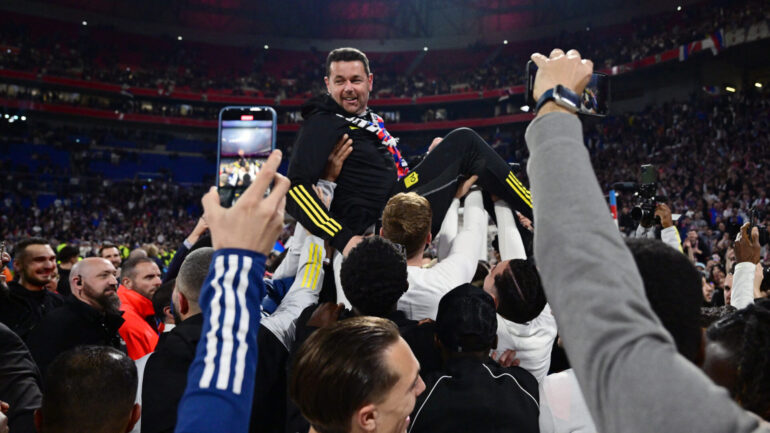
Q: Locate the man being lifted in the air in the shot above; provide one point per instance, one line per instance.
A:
(374, 169)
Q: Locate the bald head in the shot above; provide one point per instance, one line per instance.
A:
(192, 275)
(193, 272)
(94, 281)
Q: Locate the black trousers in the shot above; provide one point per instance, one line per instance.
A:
(460, 155)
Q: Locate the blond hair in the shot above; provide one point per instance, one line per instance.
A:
(406, 220)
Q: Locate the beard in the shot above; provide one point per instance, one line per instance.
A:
(31, 278)
(110, 303)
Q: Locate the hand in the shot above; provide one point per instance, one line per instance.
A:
(355, 240)
(664, 212)
(254, 222)
(507, 359)
(434, 143)
(5, 258)
(759, 275)
(199, 229)
(747, 247)
(568, 70)
(3, 417)
(340, 153)
(686, 244)
(525, 222)
(325, 314)
(325, 199)
(464, 187)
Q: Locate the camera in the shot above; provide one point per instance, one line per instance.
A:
(754, 217)
(644, 210)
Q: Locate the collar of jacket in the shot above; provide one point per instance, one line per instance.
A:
(113, 321)
(136, 300)
(19, 290)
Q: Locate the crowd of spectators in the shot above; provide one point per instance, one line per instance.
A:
(379, 337)
(185, 68)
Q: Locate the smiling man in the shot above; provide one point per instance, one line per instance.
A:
(375, 169)
(91, 316)
(28, 301)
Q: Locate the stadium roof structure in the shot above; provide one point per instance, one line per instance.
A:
(465, 21)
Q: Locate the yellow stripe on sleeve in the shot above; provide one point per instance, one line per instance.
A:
(334, 225)
(310, 214)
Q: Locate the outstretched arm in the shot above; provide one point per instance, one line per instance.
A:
(628, 368)
(220, 384)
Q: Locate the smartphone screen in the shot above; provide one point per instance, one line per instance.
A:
(246, 137)
(649, 175)
(595, 98)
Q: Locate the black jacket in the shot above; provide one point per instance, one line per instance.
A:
(268, 408)
(363, 186)
(165, 375)
(19, 382)
(419, 337)
(23, 309)
(73, 324)
(470, 395)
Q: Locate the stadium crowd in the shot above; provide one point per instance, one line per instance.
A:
(186, 67)
(379, 336)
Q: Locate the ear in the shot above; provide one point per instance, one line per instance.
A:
(184, 304)
(326, 81)
(126, 282)
(365, 418)
(136, 412)
(381, 235)
(371, 82)
(429, 239)
(38, 419)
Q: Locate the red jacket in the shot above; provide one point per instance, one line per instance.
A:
(140, 337)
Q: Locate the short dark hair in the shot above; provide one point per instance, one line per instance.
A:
(340, 368)
(674, 290)
(346, 54)
(162, 298)
(746, 336)
(128, 269)
(67, 253)
(520, 292)
(89, 389)
(20, 248)
(107, 246)
(374, 276)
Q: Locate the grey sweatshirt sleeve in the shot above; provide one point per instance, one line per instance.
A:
(630, 373)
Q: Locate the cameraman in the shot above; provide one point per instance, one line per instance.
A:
(668, 232)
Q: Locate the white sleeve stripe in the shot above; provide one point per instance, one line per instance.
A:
(517, 384)
(243, 326)
(426, 400)
(211, 341)
(226, 357)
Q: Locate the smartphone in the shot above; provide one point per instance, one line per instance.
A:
(649, 174)
(595, 98)
(246, 137)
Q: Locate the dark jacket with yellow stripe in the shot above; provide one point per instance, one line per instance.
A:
(363, 186)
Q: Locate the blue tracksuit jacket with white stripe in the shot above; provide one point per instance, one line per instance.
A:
(220, 382)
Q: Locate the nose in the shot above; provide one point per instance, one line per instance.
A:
(420, 386)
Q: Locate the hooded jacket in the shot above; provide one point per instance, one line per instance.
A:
(363, 186)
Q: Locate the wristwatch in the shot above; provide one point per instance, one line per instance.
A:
(562, 96)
